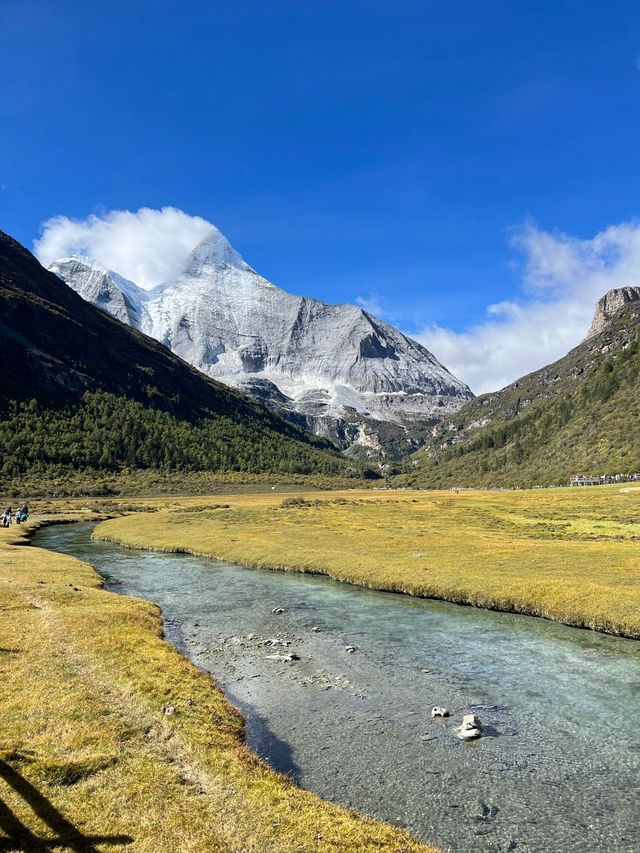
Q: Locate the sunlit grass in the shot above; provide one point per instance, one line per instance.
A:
(572, 555)
(84, 742)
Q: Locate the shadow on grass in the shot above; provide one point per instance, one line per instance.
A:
(18, 837)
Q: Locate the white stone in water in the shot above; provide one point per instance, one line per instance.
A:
(470, 729)
(350, 649)
(468, 732)
(439, 711)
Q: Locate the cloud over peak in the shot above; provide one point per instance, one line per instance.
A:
(146, 246)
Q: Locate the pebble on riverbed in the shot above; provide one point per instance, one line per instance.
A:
(283, 658)
(439, 711)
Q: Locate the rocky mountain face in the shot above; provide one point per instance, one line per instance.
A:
(610, 304)
(335, 369)
(81, 390)
(105, 289)
(579, 415)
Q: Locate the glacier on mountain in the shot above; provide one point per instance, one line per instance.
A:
(333, 368)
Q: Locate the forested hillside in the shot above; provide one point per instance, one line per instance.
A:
(580, 415)
(82, 391)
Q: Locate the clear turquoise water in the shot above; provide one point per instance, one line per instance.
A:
(558, 769)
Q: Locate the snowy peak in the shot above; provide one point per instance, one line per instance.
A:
(211, 254)
(336, 368)
(103, 288)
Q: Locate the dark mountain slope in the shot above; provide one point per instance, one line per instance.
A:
(106, 395)
(578, 415)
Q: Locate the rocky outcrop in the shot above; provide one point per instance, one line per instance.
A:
(335, 369)
(104, 289)
(610, 304)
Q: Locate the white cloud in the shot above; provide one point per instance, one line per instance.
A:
(146, 246)
(563, 279)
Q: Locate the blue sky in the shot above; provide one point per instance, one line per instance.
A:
(383, 151)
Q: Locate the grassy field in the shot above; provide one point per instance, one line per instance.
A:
(90, 762)
(572, 555)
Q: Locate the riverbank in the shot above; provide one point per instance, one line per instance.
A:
(570, 555)
(110, 737)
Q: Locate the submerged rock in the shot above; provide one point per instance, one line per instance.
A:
(283, 658)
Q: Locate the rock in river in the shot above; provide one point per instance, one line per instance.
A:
(439, 711)
(471, 728)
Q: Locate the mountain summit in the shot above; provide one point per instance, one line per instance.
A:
(611, 303)
(333, 368)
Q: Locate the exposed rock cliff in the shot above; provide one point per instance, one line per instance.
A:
(610, 304)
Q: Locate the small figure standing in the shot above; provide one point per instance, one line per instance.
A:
(6, 516)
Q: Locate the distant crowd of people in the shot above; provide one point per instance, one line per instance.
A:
(19, 516)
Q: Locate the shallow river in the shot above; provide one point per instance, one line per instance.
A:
(559, 765)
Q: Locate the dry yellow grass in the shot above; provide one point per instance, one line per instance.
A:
(572, 555)
(87, 755)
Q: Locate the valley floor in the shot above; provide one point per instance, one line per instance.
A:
(91, 760)
(572, 555)
(88, 755)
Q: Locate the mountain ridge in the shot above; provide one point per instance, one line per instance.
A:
(580, 414)
(335, 368)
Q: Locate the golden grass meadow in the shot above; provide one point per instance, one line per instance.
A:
(88, 759)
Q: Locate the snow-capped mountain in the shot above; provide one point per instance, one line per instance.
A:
(104, 288)
(333, 368)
